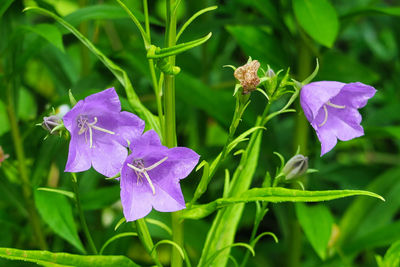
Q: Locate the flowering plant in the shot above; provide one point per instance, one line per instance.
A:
(181, 161)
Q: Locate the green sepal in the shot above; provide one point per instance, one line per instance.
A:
(72, 99)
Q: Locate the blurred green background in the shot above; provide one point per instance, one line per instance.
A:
(356, 41)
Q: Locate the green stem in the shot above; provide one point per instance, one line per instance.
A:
(146, 240)
(304, 68)
(156, 87)
(82, 216)
(22, 168)
(170, 124)
(216, 233)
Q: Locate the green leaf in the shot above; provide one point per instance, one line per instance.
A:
(27, 105)
(346, 67)
(56, 211)
(317, 222)
(5, 125)
(369, 10)
(392, 256)
(49, 32)
(192, 18)
(318, 18)
(177, 49)
(222, 235)
(100, 198)
(69, 194)
(106, 12)
(4, 5)
(272, 194)
(358, 212)
(260, 45)
(118, 72)
(47, 258)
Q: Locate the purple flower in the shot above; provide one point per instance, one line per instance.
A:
(99, 133)
(150, 176)
(331, 108)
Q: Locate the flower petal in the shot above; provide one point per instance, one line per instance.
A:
(108, 157)
(71, 116)
(130, 127)
(78, 155)
(354, 95)
(168, 197)
(184, 160)
(314, 95)
(136, 195)
(343, 124)
(106, 100)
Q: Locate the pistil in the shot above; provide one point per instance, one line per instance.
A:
(84, 126)
(140, 169)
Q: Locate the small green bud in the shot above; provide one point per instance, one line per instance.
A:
(295, 167)
(52, 124)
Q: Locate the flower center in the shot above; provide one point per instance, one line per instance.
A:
(140, 170)
(326, 111)
(85, 126)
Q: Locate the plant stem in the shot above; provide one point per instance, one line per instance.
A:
(82, 216)
(23, 171)
(300, 139)
(146, 240)
(170, 124)
(156, 87)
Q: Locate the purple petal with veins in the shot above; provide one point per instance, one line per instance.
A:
(332, 110)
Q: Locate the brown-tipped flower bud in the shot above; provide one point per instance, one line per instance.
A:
(247, 76)
(51, 122)
(3, 156)
(295, 167)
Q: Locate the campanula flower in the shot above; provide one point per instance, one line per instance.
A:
(99, 133)
(150, 176)
(332, 110)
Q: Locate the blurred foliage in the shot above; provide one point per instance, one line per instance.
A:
(354, 41)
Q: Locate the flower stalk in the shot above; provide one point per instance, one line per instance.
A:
(20, 153)
(85, 228)
(169, 134)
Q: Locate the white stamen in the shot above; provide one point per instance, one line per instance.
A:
(84, 126)
(150, 183)
(90, 137)
(134, 168)
(141, 170)
(102, 130)
(334, 105)
(156, 164)
(326, 117)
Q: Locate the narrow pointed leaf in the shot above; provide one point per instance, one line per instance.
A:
(272, 194)
(177, 49)
(47, 258)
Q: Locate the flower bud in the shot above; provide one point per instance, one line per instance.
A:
(3, 156)
(270, 73)
(295, 167)
(51, 122)
(247, 76)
